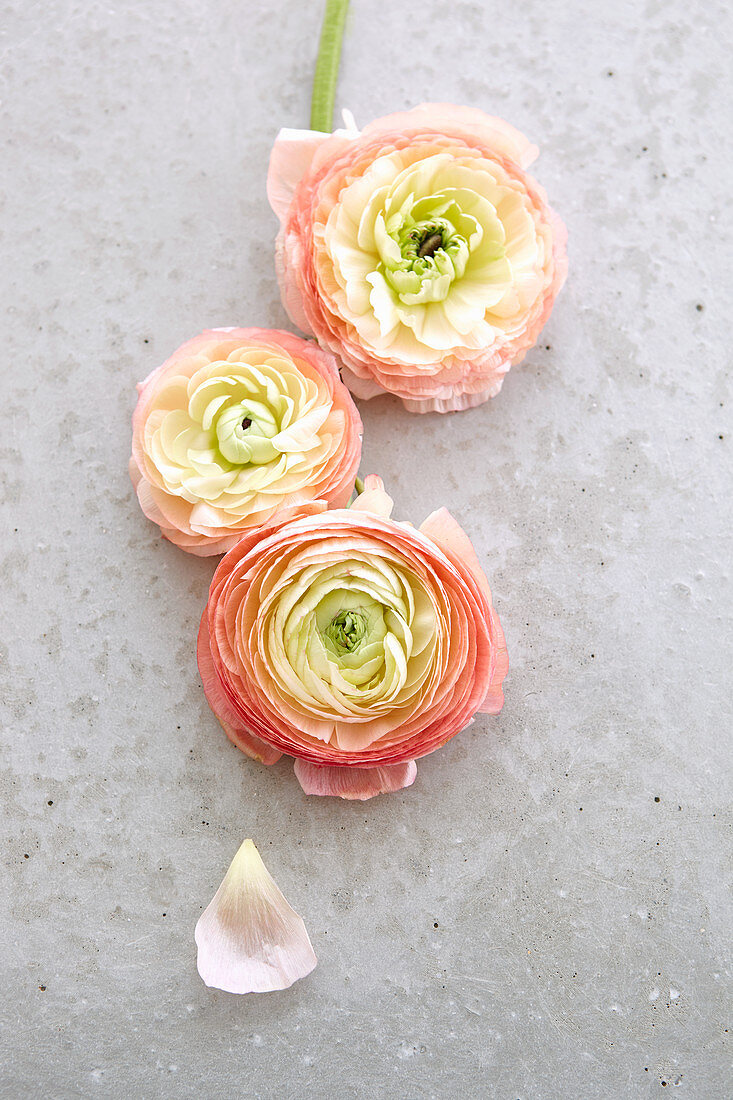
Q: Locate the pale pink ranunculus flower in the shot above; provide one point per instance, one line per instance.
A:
(351, 642)
(239, 426)
(418, 250)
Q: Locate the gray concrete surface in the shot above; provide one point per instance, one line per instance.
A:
(543, 915)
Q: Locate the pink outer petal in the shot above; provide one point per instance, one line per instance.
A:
(354, 783)
(199, 545)
(289, 291)
(365, 389)
(442, 529)
(465, 122)
(217, 700)
(445, 531)
(290, 159)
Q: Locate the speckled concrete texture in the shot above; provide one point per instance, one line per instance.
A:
(544, 914)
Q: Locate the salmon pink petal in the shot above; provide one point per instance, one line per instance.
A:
(355, 783)
(363, 388)
(445, 531)
(469, 122)
(228, 718)
(442, 529)
(494, 700)
(249, 939)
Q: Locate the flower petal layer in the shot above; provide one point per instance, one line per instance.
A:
(356, 784)
(249, 939)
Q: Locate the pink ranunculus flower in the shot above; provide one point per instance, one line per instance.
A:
(239, 426)
(419, 251)
(351, 642)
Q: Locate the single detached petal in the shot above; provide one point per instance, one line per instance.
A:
(355, 783)
(249, 939)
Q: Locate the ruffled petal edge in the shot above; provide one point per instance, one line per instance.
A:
(355, 784)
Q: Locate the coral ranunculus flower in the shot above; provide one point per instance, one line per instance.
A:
(351, 642)
(419, 251)
(237, 427)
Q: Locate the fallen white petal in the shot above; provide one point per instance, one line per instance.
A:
(249, 939)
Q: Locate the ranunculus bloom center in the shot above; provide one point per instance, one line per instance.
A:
(347, 630)
(361, 632)
(425, 242)
(430, 245)
(236, 410)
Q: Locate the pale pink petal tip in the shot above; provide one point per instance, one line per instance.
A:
(249, 939)
(374, 499)
(354, 783)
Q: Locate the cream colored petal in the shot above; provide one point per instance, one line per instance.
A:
(249, 939)
(262, 426)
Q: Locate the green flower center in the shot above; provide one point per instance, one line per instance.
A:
(243, 428)
(425, 250)
(420, 242)
(347, 630)
(352, 638)
(254, 428)
(434, 235)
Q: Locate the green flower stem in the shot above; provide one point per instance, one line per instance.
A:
(327, 66)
